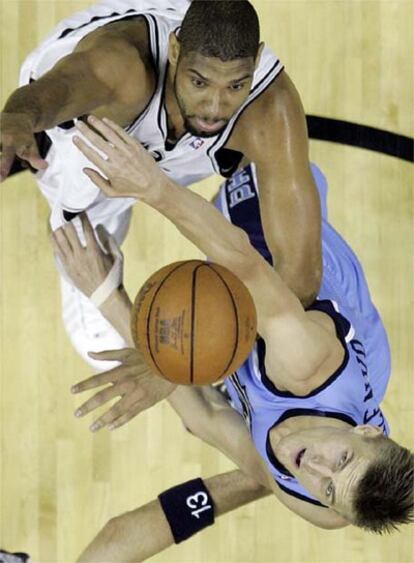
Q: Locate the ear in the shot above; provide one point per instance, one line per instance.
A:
(259, 54)
(173, 49)
(367, 430)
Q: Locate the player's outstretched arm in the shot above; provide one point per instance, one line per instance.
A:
(88, 266)
(103, 70)
(136, 386)
(141, 533)
(131, 171)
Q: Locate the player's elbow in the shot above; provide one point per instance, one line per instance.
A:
(313, 282)
(309, 292)
(303, 277)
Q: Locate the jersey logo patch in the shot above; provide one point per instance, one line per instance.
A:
(197, 143)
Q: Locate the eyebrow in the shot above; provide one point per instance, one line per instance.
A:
(207, 80)
(349, 459)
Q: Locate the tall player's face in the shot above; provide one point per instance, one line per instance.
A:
(210, 91)
(329, 462)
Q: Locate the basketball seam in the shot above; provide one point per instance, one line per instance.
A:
(184, 263)
(193, 308)
(236, 315)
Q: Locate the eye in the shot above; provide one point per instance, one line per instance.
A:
(343, 459)
(329, 490)
(237, 87)
(198, 83)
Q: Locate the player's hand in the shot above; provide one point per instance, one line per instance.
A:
(130, 171)
(132, 381)
(87, 266)
(17, 140)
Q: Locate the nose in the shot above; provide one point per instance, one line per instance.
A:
(213, 107)
(319, 467)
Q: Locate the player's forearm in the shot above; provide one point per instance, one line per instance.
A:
(293, 238)
(67, 91)
(203, 225)
(43, 104)
(137, 535)
(130, 537)
(117, 311)
(199, 221)
(303, 277)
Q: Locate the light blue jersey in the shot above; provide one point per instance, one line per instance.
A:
(353, 393)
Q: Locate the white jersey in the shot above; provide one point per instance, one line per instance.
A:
(190, 160)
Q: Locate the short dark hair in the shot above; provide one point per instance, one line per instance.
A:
(384, 497)
(226, 29)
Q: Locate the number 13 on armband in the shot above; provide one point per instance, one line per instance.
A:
(198, 503)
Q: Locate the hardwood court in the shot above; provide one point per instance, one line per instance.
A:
(60, 483)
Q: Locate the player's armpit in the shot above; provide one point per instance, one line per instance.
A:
(289, 202)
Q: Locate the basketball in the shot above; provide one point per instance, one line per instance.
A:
(194, 322)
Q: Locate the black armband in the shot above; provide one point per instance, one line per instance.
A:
(188, 508)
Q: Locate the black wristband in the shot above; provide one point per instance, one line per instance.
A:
(188, 508)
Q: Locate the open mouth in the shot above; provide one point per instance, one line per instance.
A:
(299, 457)
(209, 127)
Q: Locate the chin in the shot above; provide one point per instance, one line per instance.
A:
(202, 134)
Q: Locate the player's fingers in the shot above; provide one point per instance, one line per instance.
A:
(112, 355)
(133, 411)
(56, 248)
(117, 140)
(6, 161)
(96, 140)
(103, 236)
(88, 230)
(91, 154)
(99, 181)
(111, 376)
(97, 400)
(30, 153)
(112, 131)
(61, 240)
(72, 237)
(35, 160)
(115, 412)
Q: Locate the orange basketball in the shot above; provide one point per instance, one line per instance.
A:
(194, 322)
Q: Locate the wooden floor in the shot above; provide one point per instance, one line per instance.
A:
(350, 59)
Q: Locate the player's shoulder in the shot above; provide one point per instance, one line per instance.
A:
(120, 55)
(279, 98)
(276, 109)
(130, 35)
